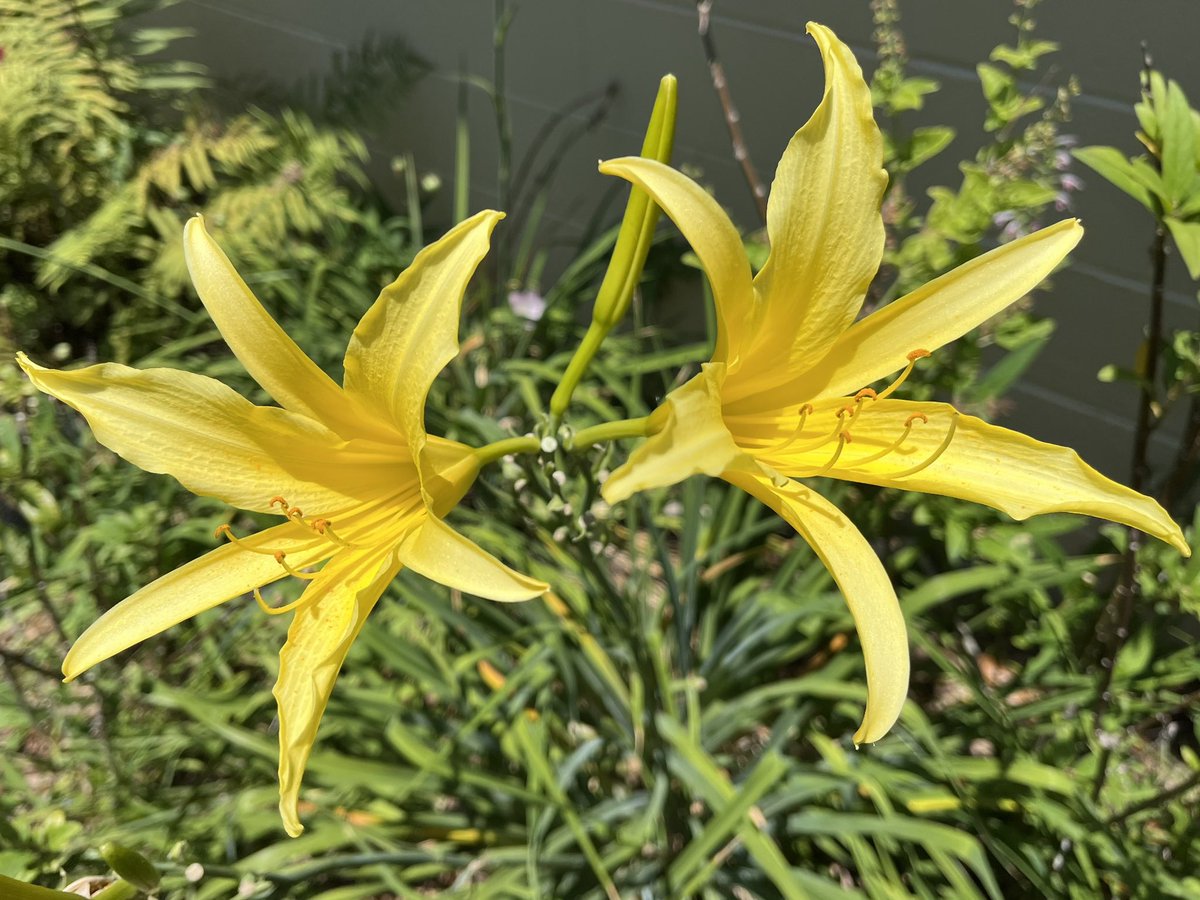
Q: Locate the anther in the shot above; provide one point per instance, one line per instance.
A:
(867, 393)
(908, 422)
(280, 502)
(324, 528)
(918, 354)
(296, 514)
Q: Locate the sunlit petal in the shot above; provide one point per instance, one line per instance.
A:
(933, 315)
(983, 463)
(215, 442)
(693, 440)
(269, 355)
(222, 574)
(862, 580)
(712, 236)
(441, 554)
(336, 606)
(410, 333)
(824, 225)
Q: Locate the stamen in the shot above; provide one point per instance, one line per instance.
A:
(324, 528)
(281, 558)
(933, 456)
(894, 445)
(843, 439)
(912, 361)
(296, 514)
(280, 502)
(276, 610)
(226, 531)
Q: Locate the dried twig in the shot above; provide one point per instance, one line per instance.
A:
(733, 118)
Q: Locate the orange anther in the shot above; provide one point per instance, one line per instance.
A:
(845, 436)
(296, 513)
(280, 556)
(280, 502)
(924, 418)
(220, 530)
(918, 354)
(806, 409)
(845, 410)
(865, 392)
(319, 525)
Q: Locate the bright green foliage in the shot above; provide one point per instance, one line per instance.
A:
(104, 154)
(1167, 182)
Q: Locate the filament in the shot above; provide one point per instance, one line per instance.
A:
(277, 610)
(843, 439)
(933, 456)
(226, 531)
(894, 445)
(912, 362)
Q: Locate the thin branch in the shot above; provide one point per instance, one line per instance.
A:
(1113, 628)
(733, 118)
(1157, 800)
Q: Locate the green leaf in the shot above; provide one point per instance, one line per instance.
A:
(928, 142)
(910, 93)
(1178, 145)
(12, 889)
(702, 775)
(1111, 165)
(997, 84)
(1187, 239)
(929, 835)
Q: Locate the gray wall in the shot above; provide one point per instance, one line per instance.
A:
(561, 49)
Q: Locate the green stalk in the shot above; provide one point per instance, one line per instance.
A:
(499, 449)
(612, 431)
(629, 254)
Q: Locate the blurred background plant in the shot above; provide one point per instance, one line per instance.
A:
(674, 720)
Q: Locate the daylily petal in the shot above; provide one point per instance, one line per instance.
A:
(269, 355)
(824, 225)
(215, 442)
(983, 463)
(933, 315)
(410, 333)
(863, 582)
(222, 574)
(441, 554)
(335, 608)
(448, 471)
(692, 440)
(712, 236)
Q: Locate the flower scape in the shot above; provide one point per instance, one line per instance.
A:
(797, 388)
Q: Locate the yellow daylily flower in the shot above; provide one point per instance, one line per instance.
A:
(360, 486)
(786, 394)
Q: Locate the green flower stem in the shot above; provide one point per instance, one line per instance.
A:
(498, 449)
(612, 431)
(629, 255)
(592, 339)
(607, 431)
